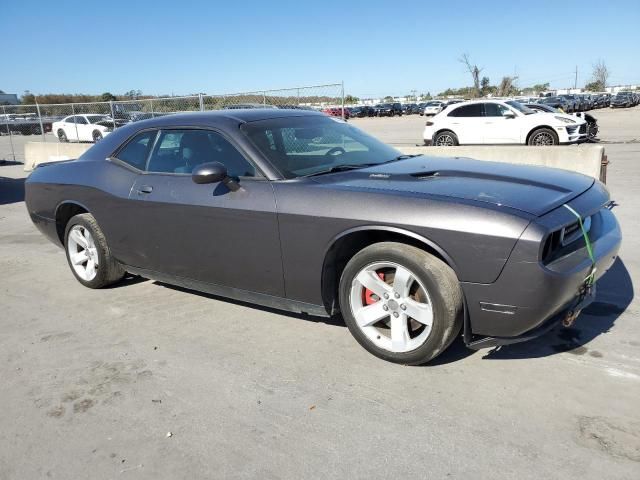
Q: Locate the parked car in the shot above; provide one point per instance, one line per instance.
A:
(592, 123)
(574, 104)
(83, 128)
(274, 208)
(622, 99)
(24, 124)
(336, 112)
(433, 107)
(367, 111)
(499, 122)
(388, 109)
(557, 102)
(355, 112)
(410, 108)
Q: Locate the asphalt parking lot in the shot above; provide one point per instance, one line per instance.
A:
(145, 380)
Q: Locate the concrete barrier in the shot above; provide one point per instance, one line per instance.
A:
(40, 152)
(586, 159)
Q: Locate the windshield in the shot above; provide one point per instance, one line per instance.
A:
(300, 146)
(433, 104)
(97, 118)
(520, 107)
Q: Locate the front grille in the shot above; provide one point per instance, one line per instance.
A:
(583, 128)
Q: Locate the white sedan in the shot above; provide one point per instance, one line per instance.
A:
(82, 128)
(501, 122)
(433, 107)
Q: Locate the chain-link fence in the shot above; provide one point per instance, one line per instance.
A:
(87, 122)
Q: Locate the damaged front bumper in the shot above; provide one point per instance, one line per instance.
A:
(532, 295)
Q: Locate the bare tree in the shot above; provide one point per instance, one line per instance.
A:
(507, 86)
(474, 70)
(600, 73)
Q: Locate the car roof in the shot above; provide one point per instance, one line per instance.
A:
(239, 115)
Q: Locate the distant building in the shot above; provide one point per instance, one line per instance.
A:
(8, 98)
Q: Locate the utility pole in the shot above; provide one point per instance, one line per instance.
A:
(575, 83)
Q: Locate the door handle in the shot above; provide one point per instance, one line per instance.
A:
(145, 189)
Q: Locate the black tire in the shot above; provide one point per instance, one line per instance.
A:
(97, 136)
(437, 277)
(62, 137)
(540, 135)
(446, 138)
(109, 271)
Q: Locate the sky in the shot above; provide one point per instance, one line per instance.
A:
(376, 48)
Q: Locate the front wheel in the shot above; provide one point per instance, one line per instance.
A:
(543, 137)
(62, 136)
(446, 139)
(401, 303)
(88, 254)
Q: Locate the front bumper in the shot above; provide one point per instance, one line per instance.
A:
(572, 133)
(528, 293)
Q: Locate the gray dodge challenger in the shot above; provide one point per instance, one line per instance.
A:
(297, 211)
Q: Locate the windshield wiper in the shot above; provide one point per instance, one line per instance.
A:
(345, 167)
(402, 157)
(341, 168)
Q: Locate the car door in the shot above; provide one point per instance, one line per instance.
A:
(205, 232)
(466, 121)
(84, 129)
(69, 127)
(498, 128)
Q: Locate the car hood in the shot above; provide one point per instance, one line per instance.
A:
(530, 189)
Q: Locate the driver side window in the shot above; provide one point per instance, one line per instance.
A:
(494, 110)
(180, 151)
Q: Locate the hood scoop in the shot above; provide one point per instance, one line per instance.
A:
(426, 175)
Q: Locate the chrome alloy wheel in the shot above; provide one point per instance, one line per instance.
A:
(83, 253)
(445, 140)
(542, 139)
(391, 307)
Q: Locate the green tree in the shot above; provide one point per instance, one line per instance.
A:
(28, 98)
(350, 99)
(133, 94)
(388, 98)
(485, 86)
(595, 86)
(107, 97)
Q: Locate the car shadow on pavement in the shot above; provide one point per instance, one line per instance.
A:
(11, 190)
(613, 296)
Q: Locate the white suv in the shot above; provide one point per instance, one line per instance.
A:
(501, 122)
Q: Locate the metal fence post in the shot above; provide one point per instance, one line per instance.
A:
(113, 117)
(6, 119)
(151, 107)
(73, 112)
(264, 99)
(201, 101)
(342, 97)
(298, 97)
(40, 119)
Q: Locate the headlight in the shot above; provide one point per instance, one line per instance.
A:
(565, 120)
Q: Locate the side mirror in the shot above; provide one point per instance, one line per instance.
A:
(509, 115)
(213, 172)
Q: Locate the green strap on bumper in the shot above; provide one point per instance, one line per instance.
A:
(592, 274)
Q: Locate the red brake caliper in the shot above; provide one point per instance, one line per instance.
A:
(369, 296)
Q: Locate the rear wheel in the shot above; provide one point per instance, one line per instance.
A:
(543, 137)
(401, 303)
(88, 254)
(97, 136)
(446, 139)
